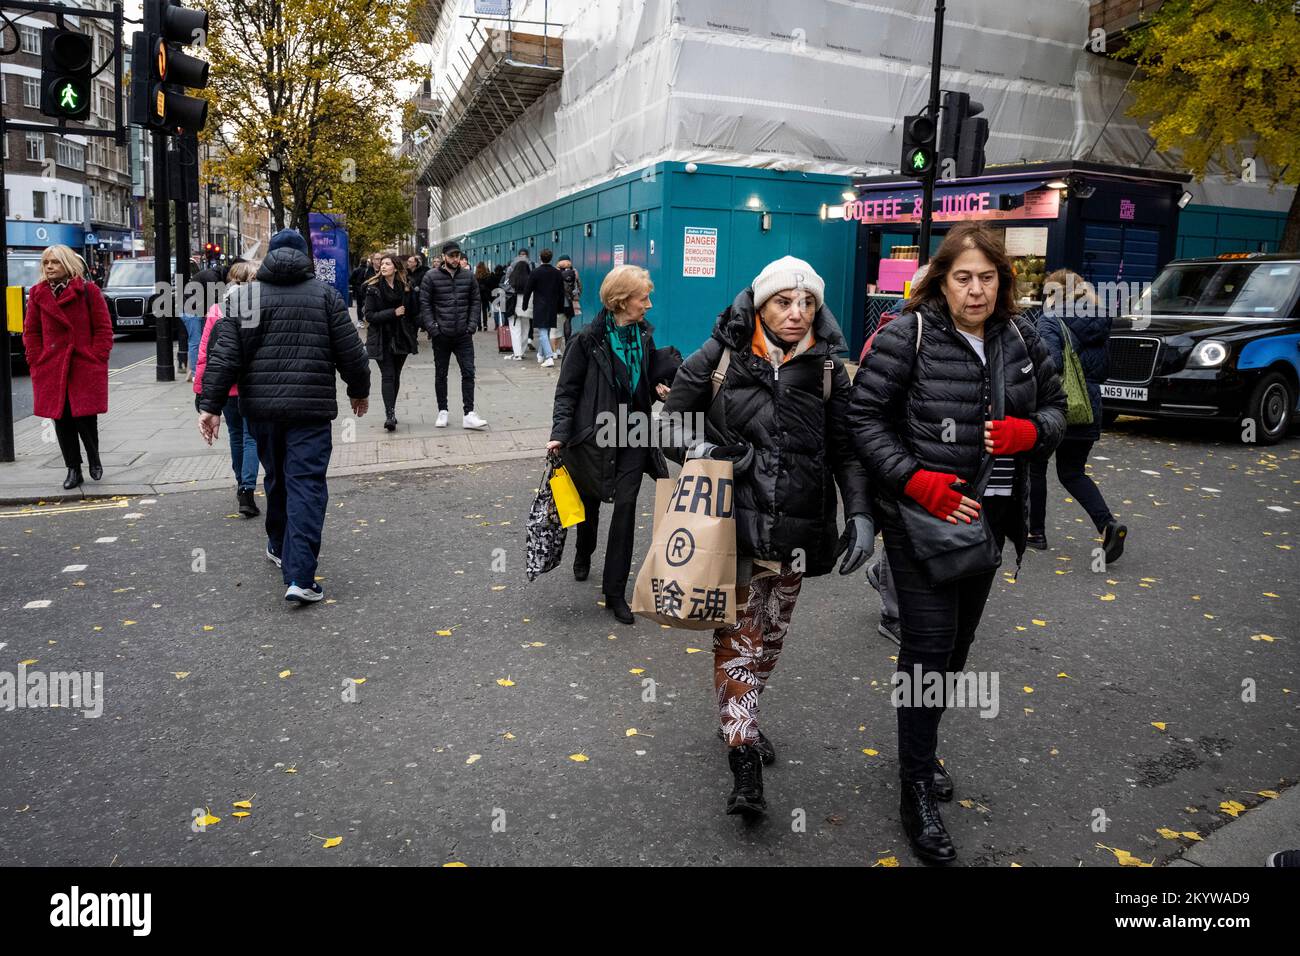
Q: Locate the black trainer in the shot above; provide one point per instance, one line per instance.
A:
(581, 568)
(1284, 858)
(747, 795)
(1037, 540)
(1112, 540)
(247, 506)
(923, 824)
(942, 782)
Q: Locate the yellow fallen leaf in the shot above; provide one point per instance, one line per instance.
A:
(1039, 622)
(285, 673)
(474, 758)
(1271, 794)
(1208, 617)
(444, 633)
(1263, 637)
(243, 804)
(505, 682)
(692, 650)
(631, 732)
(1017, 865)
(579, 758)
(1191, 835)
(1269, 594)
(240, 813)
(208, 820)
(1063, 674)
(181, 675)
(331, 843)
(498, 587)
(1124, 857)
(127, 623)
(1232, 807)
(1107, 597)
(290, 769)
(1029, 710)
(1027, 689)
(1158, 724)
(30, 661)
(1021, 627)
(357, 680)
(508, 735)
(886, 861)
(536, 644)
(869, 752)
(968, 804)
(1149, 580)
(454, 864)
(208, 627)
(637, 670)
(1168, 834)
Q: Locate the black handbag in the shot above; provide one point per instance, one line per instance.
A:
(949, 552)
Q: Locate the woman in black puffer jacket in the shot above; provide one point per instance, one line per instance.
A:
(392, 313)
(1072, 301)
(780, 415)
(920, 419)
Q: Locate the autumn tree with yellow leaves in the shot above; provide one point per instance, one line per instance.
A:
(302, 94)
(1220, 82)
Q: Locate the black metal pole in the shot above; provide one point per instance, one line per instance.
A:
(6, 371)
(162, 256)
(181, 156)
(927, 206)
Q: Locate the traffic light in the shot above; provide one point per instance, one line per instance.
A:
(161, 71)
(963, 136)
(65, 73)
(918, 145)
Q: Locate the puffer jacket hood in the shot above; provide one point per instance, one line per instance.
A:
(286, 266)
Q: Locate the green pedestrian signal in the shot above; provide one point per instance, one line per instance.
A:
(65, 73)
(68, 98)
(918, 145)
(919, 161)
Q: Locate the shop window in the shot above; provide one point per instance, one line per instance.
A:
(38, 205)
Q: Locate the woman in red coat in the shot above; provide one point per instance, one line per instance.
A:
(67, 335)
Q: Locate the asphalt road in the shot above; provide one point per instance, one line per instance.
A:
(127, 350)
(215, 691)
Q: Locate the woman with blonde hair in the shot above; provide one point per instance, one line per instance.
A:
(67, 336)
(243, 446)
(1072, 310)
(607, 372)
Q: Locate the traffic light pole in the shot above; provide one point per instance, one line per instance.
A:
(6, 369)
(927, 206)
(162, 259)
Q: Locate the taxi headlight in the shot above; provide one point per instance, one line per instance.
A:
(1208, 354)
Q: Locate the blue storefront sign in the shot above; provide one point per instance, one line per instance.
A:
(39, 235)
(329, 247)
(112, 240)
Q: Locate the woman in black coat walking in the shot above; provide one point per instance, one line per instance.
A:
(930, 422)
(779, 413)
(606, 379)
(1071, 302)
(391, 307)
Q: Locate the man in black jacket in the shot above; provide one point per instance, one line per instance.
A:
(281, 343)
(545, 289)
(449, 312)
(357, 280)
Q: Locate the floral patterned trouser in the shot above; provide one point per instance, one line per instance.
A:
(745, 653)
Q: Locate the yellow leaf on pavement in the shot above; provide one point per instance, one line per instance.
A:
(1268, 638)
(1158, 724)
(869, 752)
(1232, 808)
(1191, 835)
(240, 813)
(1271, 794)
(444, 633)
(692, 650)
(243, 804)
(579, 758)
(181, 675)
(505, 682)
(331, 843)
(208, 819)
(1108, 597)
(1027, 689)
(637, 670)
(1167, 833)
(1063, 674)
(454, 864)
(631, 732)
(285, 673)
(474, 758)
(886, 861)
(30, 661)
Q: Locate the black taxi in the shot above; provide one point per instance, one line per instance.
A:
(1216, 339)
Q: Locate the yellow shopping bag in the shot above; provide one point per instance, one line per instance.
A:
(568, 503)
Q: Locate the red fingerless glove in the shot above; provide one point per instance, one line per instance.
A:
(930, 490)
(1012, 435)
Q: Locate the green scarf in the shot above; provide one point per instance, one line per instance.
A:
(625, 342)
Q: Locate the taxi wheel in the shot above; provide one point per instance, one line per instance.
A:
(1272, 408)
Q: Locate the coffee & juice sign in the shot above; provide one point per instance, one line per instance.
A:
(954, 204)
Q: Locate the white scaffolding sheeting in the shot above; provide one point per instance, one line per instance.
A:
(819, 86)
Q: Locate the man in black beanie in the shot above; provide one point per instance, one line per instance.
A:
(282, 340)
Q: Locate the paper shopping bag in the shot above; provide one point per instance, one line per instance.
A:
(567, 500)
(688, 578)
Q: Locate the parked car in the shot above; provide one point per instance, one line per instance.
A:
(25, 271)
(1215, 339)
(129, 290)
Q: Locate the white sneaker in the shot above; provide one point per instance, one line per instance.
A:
(549, 363)
(302, 595)
(273, 557)
(517, 358)
(473, 421)
(442, 419)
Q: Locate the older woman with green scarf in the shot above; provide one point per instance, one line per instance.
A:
(606, 372)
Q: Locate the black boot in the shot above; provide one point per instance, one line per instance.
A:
(617, 605)
(764, 747)
(942, 782)
(747, 796)
(1037, 540)
(74, 478)
(390, 420)
(581, 568)
(1112, 541)
(922, 823)
(96, 467)
(247, 506)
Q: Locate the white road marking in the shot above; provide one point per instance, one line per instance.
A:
(35, 604)
(1148, 472)
(133, 515)
(1213, 490)
(74, 567)
(105, 540)
(1277, 508)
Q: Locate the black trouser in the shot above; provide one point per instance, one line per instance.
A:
(69, 428)
(938, 626)
(1071, 457)
(390, 371)
(443, 347)
(629, 467)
